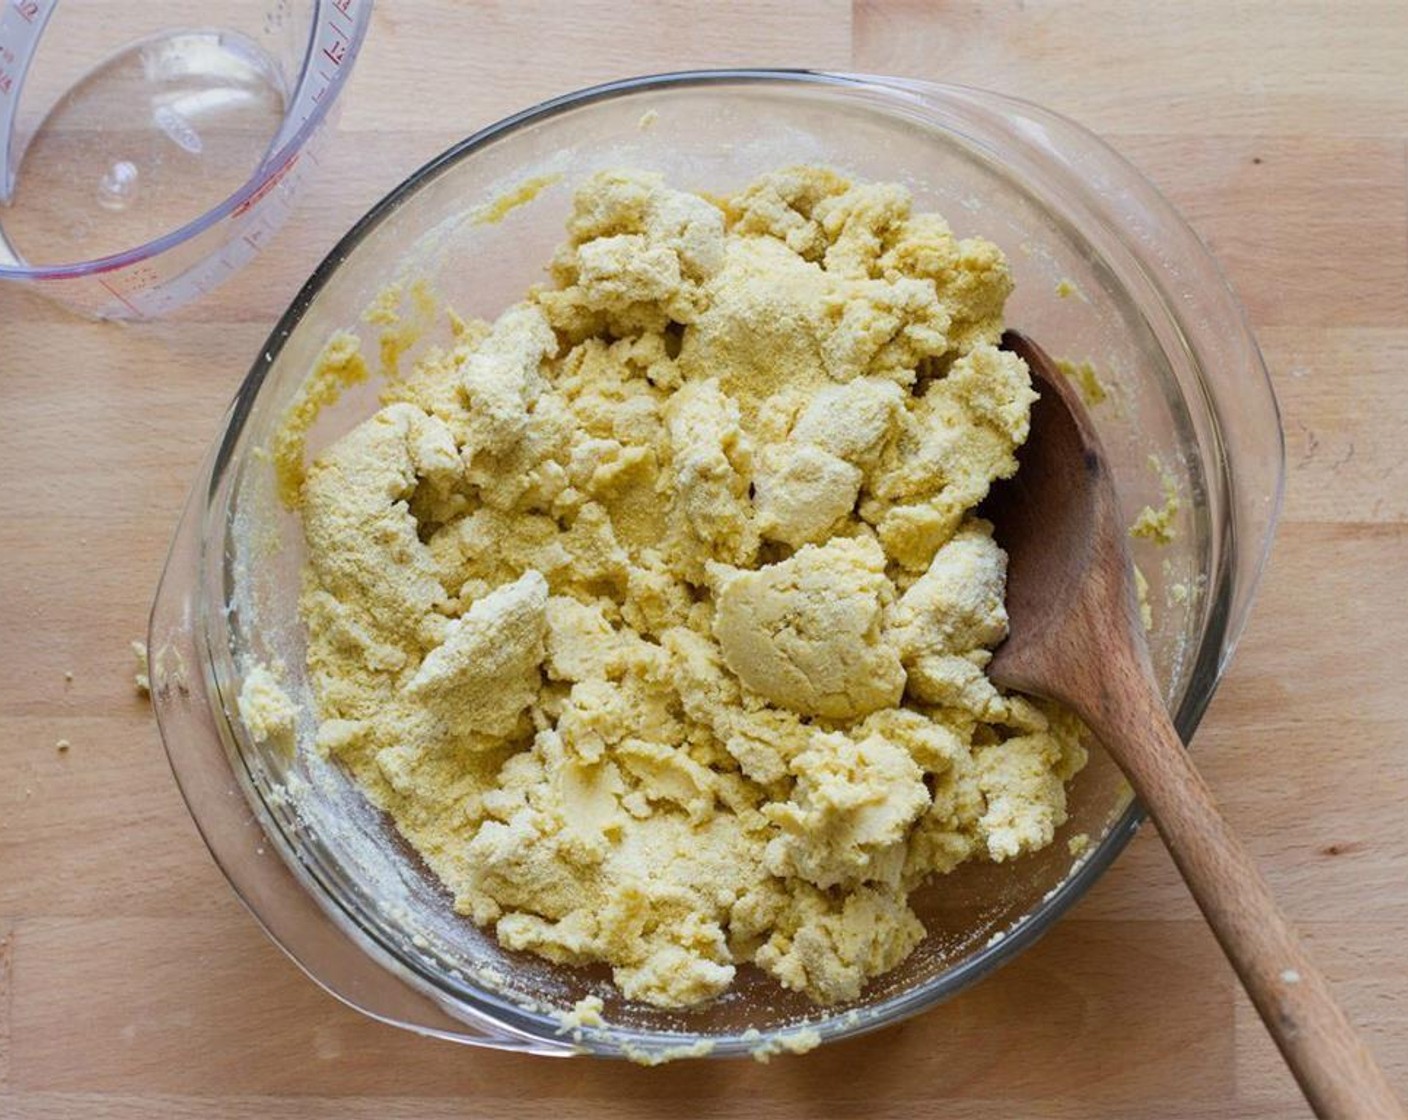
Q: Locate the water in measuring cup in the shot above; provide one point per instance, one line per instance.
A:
(150, 140)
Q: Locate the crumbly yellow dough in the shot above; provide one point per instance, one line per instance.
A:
(655, 613)
(800, 1041)
(521, 195)
(265, 708)
(1159, 525)
(340, 365)
(586, 1012)
(1141, 598)
(1092, 389)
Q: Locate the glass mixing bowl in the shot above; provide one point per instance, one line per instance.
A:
(1105, 272)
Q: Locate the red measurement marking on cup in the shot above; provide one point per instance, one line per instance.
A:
(122, 299)
(337, 41)
(265, 188)
(14, 57)
(21, 24)
(339, 26)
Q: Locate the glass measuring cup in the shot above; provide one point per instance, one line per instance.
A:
(149, 151)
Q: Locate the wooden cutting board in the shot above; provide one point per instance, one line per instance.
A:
(133, 985)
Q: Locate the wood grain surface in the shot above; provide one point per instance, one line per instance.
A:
(133, 985)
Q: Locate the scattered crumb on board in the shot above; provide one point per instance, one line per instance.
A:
(142, 678)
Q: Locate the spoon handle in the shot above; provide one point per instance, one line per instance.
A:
(1334, 1067)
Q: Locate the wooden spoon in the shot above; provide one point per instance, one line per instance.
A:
(1076, 638)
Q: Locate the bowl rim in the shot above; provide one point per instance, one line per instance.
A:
(1027, 930)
